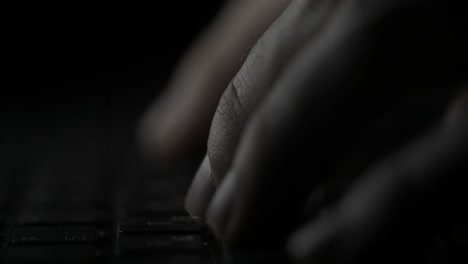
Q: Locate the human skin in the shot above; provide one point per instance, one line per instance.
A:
(177, 123)
(321, 82)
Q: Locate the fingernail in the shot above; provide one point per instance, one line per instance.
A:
(200, 192)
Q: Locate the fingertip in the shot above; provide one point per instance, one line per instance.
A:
(200, 192)
(198, 219)
(313, 241)
(297, 246)
(152, 134)
(219, 213)
(172, 131)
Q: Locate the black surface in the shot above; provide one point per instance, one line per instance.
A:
(78, 77)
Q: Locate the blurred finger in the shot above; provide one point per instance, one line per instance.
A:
(411, 115)
(177, 124)
(396, 204)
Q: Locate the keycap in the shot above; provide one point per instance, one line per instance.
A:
(51, 253)
(57, 217)
(253, 256)
(160, 224)
(154, 207)
(167, 259)
(50, 199)
(161, 243)
(49, 234)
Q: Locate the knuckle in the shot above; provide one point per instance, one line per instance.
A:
(228, 123)
(230, 117)
(231, 107)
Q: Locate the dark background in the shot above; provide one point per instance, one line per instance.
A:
(78, 76)
(64, 55)
(92, 59)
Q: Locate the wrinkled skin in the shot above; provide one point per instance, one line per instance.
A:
(345, 130)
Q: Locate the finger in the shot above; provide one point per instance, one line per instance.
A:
(178, 122)
(314, 112)
(268, 162)
(397, 203)
(300, 21)
(394, 128)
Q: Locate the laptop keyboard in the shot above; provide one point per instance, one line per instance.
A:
(73, 201)
(77, 193)
(79, 229)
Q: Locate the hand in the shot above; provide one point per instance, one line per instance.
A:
(327, 96)
(177, 124)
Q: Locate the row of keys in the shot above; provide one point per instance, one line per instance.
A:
(40, 226)
(154, 244)
(159, 224)
(137, 233)
(85, 243)
(160, 233)
(55, 234)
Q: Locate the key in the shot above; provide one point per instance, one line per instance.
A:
(160, 224)
(52, 253)
(253, 256)
(161, 243)
(167, 259)
(48, 234)
(154, 207)
(48, 217)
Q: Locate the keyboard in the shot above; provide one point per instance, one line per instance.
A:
(75, 194)
(74, 189)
